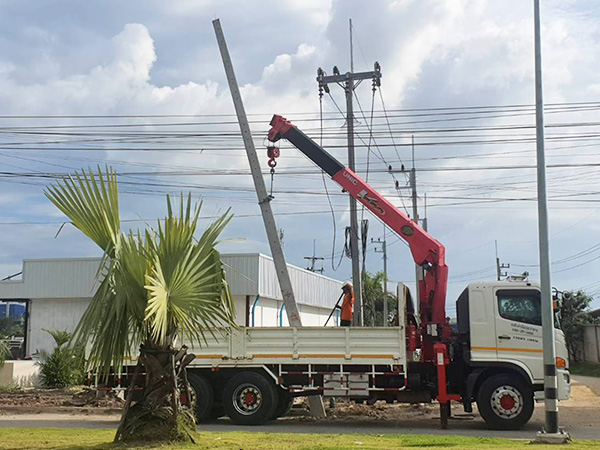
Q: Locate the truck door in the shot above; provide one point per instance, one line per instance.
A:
(518, 328)
(480, 322)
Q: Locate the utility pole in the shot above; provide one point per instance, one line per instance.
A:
(424, 221)
(550, 433)
(313, 259)
(264, 200)
(419, 275)
(350, 81)
(383, 250)
(499, 266)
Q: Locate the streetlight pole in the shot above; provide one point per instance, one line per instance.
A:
(550, 432)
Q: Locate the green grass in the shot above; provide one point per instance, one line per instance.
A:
(80, 439)
(7, 388)
(585, 369)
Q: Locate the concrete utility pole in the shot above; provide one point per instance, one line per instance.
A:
(550, 432)
(350, 81)
(264, 199)
(419, 275)
(499, 266)
(383, 250)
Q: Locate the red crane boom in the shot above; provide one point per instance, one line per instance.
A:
(427, 252)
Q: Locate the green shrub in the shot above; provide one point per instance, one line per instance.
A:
(9, 388)
(64, 366)
(4, 352)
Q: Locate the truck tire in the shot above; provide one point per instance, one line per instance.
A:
(204, 396)
(249, 399)
(216, 412)
(505, 402)
(284, 404)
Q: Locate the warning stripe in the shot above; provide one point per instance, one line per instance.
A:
(507, 349)
(289, 355)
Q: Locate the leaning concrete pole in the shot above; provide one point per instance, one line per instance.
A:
(264, 199)
(550, 432)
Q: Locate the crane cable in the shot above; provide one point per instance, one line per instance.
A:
(334, 267)
(365, 222)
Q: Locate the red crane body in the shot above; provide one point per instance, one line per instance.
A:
(426, 251)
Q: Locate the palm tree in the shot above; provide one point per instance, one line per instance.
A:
(158, 288)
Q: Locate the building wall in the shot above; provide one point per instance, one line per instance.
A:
(65, 313)
(309, 288)
(52, 314)
(59, 291)
(591, 343)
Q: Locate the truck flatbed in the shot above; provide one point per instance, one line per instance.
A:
(306, 345)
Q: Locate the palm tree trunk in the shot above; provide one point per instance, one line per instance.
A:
(162, 414)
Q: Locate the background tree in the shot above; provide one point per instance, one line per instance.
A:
(9, 326)
(158, 288)
(373, 298)
(574, 314)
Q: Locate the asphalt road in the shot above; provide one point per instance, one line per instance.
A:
(457, 427)
(581, 419)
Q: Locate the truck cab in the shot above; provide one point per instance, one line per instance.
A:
(498, 350)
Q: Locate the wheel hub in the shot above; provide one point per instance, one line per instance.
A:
(247, 399)
(507, 402)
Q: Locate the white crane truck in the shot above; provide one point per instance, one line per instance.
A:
(493, 358)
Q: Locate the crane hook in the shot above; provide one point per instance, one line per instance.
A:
(273, 153)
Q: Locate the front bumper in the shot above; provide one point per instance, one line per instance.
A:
(564, 384)
(563, 378)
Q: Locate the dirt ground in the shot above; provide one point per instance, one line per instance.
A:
(29, 401)
(582, 409)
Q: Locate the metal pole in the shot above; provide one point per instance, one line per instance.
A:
(498, 273)
(351, 48)
(356, 279)
(550, 381)
(413, 187)
(264, 199)
(259, 183)
(385, 281)
(424, 221)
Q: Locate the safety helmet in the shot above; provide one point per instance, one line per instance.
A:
(347, 284)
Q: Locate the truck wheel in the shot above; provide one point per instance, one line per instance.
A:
(249, 399)
(505, 402)
(284, 404)
(205, 398)
(216, 412)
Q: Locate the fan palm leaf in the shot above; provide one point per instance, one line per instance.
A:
(153, 286)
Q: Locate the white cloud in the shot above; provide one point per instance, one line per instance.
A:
(433, 54)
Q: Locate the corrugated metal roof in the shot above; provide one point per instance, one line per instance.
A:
(247, 273)
(54, 278)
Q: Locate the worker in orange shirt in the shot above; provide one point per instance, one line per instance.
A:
(347, 305)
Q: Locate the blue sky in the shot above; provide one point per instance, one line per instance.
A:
(160, 58)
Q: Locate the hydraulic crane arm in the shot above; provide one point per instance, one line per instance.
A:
(426, 251)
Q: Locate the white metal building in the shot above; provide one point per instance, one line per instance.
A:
(57, 292)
